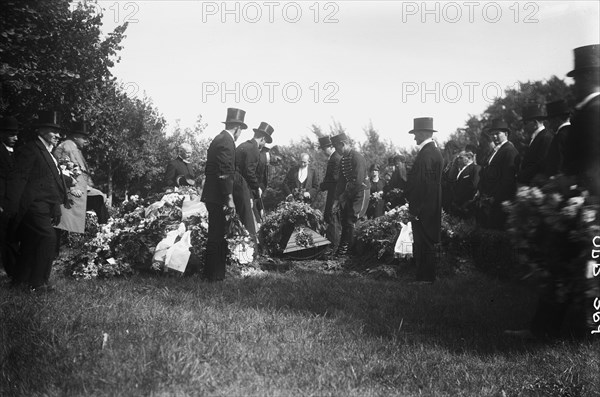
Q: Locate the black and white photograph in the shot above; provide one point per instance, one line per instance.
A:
(299, 198)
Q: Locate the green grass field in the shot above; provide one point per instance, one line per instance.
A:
(303, 332)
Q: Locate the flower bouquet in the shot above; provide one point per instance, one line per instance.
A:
(553, 226)
(380, 234)
(279, 225)
(69, 169)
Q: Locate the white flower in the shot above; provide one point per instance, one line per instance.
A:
(588, 215)
(243, 253)
(576, 201)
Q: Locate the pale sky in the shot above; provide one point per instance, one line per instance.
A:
(293, 64)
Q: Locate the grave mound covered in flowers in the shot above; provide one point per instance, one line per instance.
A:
(164, 231)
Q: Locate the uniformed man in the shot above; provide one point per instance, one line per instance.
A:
(352, 190)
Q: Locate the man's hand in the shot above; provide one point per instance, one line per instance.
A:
(230, 206)
(306, 195)
(260, 192)
(335, 207)
(76, 192)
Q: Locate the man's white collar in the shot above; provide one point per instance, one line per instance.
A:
(586, 100)
(425, 142)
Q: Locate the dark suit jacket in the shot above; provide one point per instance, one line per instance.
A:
(6, 167)
(582, 152)
(332, 174)
(424, 190)
(556, 152)
(247, 156)
(353, 175)
(498, 178)
(534, 161)
(311, 184)
(262, 171)
(35, 179)
(177, 168)
(220, 169)
(464, 188)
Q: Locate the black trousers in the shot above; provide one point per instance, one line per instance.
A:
(351, 211)
(216, 245)
(424, 253)
(38, 245)
(8, 248)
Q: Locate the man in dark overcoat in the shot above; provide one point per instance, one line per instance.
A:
(328, 185)
(464, 186)
(246, 188)
(498, 177)
(9, 134)
(352, 190)
(301, 182)
(36, 190)
(557, 113)
(424, 194)
(540, 138)
(217, 192)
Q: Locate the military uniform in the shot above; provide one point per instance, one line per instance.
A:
(352, 191)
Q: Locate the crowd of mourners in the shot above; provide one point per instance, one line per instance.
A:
(46, 185)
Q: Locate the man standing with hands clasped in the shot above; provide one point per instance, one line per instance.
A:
(352, 190)
(424, 193)
(35, 192)
(218, 191)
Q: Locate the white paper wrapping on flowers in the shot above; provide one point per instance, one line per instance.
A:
(160, 253)
(404, 244)
(178, 255)
(192, 206)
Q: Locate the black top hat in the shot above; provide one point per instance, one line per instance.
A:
(557, 108)
(265, 130)
(339, 138)
(9, 125)
(422, 124)
(586, 58)
(81, 128)
(236, 116)
(533, 111)
(49, 118)
(324, 142)
(498, 125)
(374, 167)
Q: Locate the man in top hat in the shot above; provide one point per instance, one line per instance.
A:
(352, 190)
(301, 182)
(35, 192)
(582, 156)
(82, 195)
(498, 177)
(218, 191)
(332, 172)
(180, 171)
(573, 309)
(424, 193)
(246, 189)
(540, 138)
(9, 133)
(557, 113)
